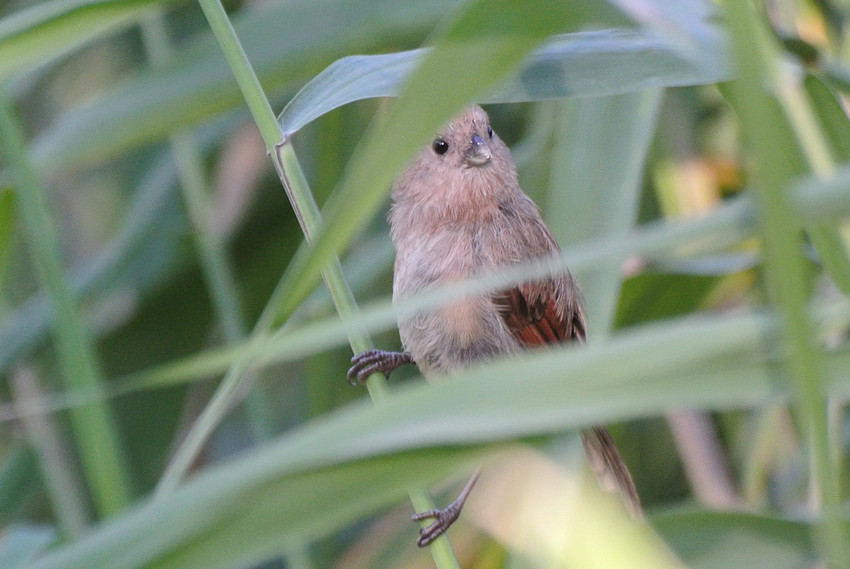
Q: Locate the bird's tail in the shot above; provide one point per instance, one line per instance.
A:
(610, 468)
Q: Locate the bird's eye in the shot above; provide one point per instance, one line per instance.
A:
(440, 146)
(490, 131)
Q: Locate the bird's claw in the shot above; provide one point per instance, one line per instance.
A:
(366, 363)
(443, 519)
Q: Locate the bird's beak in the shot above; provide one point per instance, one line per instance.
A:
(478, 153)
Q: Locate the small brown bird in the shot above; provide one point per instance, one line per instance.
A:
(458, 212)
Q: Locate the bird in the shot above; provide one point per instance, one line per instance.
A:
(458, 212)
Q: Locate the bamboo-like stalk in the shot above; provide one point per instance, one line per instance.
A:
(96, 434)
(309, 218)
(212, 255)
(784, 264)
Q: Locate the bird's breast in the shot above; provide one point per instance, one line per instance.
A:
(462, 331)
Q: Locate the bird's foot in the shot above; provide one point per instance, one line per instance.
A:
(443, 519)
(373, 361)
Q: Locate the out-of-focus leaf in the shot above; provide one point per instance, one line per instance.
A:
(587, 198)
(832, 248)
(833, 119)
(46, 30)
(286, 42)
(23, 543)
(652, 296)
(361, 458)
(825, 238)
(581, 64)
(737, 540)
(263, 502)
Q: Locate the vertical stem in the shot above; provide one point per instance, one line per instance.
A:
(784, 265)
(305, 207)
(59, 474)
(97, 436)
(211, 250)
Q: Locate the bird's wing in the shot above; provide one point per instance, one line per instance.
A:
(549, 312)
(537, 315)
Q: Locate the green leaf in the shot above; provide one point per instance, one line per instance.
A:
(344, 466)
(581, 64)
(832, 117)
(832, 248)
(588, 198)
(248, 510)
(47, 30)
(655, 296)
(198, 84)
(733, 540)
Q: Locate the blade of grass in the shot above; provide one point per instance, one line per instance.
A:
(784, 265)
(365, 456)
(729, 224)
(308, 216)
(97, 437)
(60, 475)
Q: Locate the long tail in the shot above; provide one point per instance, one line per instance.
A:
(611, 470)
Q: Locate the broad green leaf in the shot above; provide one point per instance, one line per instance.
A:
(47, 30)
(581, 64)
(589, 198)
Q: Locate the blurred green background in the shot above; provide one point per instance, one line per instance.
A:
(689, 158)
